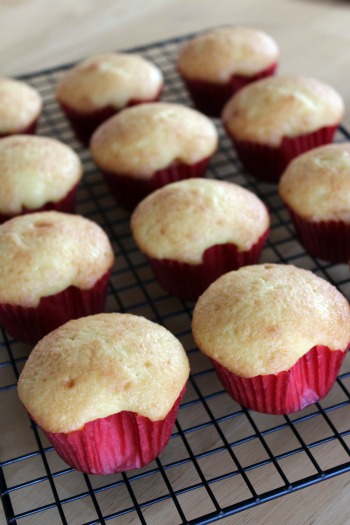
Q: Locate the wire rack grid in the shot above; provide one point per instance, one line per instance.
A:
(221, 458)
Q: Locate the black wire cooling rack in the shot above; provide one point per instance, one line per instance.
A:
(221, 459)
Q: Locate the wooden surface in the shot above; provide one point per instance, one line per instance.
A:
(313, 35)
(314, 38)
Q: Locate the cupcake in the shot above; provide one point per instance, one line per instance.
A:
(20, 107)
(316, 191)
(218, 63)
(37, 173)
(105, 389)
(276, 119)
(53, 267)
(195, 230)
(101, 86)
(146, 147)
(276, 335)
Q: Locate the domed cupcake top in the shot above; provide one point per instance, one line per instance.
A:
(100, 365)
(217, 55)
(316, 185)
(261, 319)
(149, 137)
(20, 105)
(181, 220)
(285, 106)
(112, 79)
(43, 253)
(35, 170)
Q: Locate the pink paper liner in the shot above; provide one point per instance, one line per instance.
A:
(306, 382)
(189, 281)
(28, 130)
(84, 124)
(30, 324)
(268, 163)
(210, 98)
(128, 191)
(328, 240)
(66, 204)
(116, 443)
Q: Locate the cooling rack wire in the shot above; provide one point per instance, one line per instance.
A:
(221, 459)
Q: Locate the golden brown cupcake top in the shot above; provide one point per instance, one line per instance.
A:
(181, 220)
(316, 185)
(100, 365)
(34, 171)
(217, 55)
(112, 79)
(44, 253)
(270, 109)
(20, 105)
(149, 137)
(261, 319)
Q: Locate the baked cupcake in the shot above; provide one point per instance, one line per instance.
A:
(20, 107)
(53, 267)
(146, 147)
(276, 335)
(37, 173)
(195, 230)
(276, 119)
(218, 63)
(101, 86)
(316, 191)
(105, 389)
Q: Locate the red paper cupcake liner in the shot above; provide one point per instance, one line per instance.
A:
(128, 191)
(116, 443)
(189, 281)
(210, 98)
(30, 324)
(28, 130)
(66, 205)
(327, 240)
(306, 382)
(268, 163)
(84, 124)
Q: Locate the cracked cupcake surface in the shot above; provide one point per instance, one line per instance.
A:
(35, 171)
(218, 54)
(44, 253)
(105, 389)
(284, 106)
(100, 365)
(111, 79)
(276, 335)
(20, 106)
(182, 220)
(141, 140)
(261, 319)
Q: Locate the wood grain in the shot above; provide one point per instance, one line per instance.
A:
(314, 38)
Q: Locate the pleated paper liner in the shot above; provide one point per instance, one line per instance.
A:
(28, 130)
(189, 281)
(306, 382)
(128, 191)
(66, 205)
(327, 240)
(116, 443)
(84, 124)
(210, 98)
(30, 324)
(267, 163)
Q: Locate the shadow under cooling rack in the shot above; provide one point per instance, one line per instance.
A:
(221, 459)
